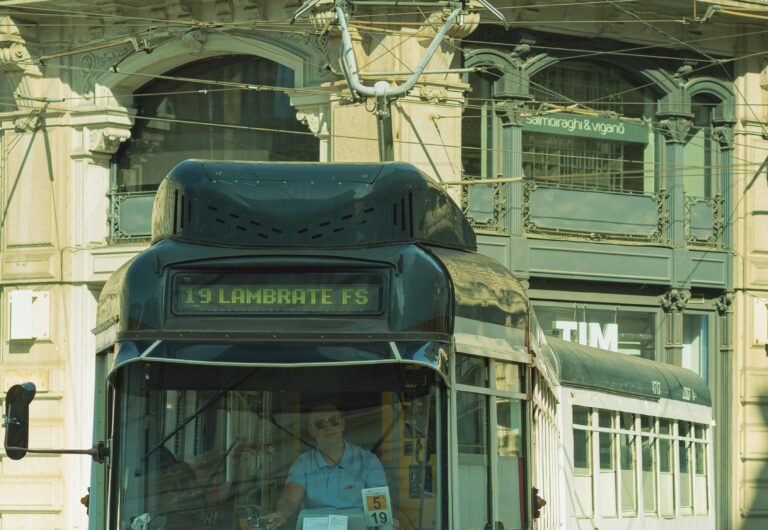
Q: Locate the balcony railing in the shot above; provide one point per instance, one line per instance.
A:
(704, 222)
(130, 216)
(484, 205)
(594, 215)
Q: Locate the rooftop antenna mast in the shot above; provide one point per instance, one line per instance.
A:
(383, 92)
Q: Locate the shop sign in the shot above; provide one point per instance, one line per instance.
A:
(588, 126)
(591, 334)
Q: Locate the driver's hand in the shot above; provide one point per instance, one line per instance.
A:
(276, 520)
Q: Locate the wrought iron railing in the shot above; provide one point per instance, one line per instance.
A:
(130, 217)
(484, 205)
(559, 212)
(704, 222)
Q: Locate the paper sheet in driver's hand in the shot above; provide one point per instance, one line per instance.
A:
(331, 522)
(337, 522)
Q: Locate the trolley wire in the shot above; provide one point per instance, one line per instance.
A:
(299, 90)
(597, 175)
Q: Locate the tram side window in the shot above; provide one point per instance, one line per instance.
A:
(701, 480)
(474, 459)
(627, 462)
(582, 461)
(471, 370)
(673, 465)
(649, 467)
(666, 469)
(684, 451)
(607, 476)
(490, 417)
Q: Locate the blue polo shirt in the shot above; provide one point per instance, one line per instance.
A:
(327, 486)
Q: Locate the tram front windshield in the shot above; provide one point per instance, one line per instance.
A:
(213, 447)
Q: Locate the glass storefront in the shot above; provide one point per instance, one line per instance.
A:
(629, 331)
(632, 331)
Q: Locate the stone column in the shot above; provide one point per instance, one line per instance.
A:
(723, 135)
(721, 383)
(512, 163)
(675, 130)
(673, 303)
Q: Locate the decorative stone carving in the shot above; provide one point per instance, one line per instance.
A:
(92, 65)
(723, 135)
(13, 49)
(675, 299)
(315, 119)
(683, 73)
(675, 130)
(467, 23)
(511, 112)
(16, 66)
(195, 40)
(107, 140)
(433, 94)
(724, 303)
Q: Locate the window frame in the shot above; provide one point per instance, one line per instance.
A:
(656, 311)
(699, 434)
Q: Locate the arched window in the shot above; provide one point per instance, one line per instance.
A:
(479, 128)
(591, 129)
(179, 119)
(701, 152)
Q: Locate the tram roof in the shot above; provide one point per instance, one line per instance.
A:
(306, 205)
(586, 367)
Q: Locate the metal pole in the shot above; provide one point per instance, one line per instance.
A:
(384, 125)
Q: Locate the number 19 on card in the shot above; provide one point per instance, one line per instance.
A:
(378, 511)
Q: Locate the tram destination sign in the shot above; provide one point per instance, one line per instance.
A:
(277, 293)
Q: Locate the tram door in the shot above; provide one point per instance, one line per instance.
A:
(489, 411)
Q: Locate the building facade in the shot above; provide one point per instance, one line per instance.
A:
(610, 156)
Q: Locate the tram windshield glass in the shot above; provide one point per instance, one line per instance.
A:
(207, 446)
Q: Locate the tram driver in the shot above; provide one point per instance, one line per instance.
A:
(332, 474)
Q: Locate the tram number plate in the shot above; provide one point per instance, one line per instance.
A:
(378, 509)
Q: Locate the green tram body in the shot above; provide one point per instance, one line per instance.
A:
(271, 288)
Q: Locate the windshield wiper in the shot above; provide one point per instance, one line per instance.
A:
(210, 401)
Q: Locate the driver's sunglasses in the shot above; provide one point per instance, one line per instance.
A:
(323, 423)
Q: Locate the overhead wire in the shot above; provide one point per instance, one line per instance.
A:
(597, 175)
(292, 90)
(270, 26)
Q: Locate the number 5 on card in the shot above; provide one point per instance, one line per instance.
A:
(378, 509)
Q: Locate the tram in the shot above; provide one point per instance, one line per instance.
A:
(279, 303)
